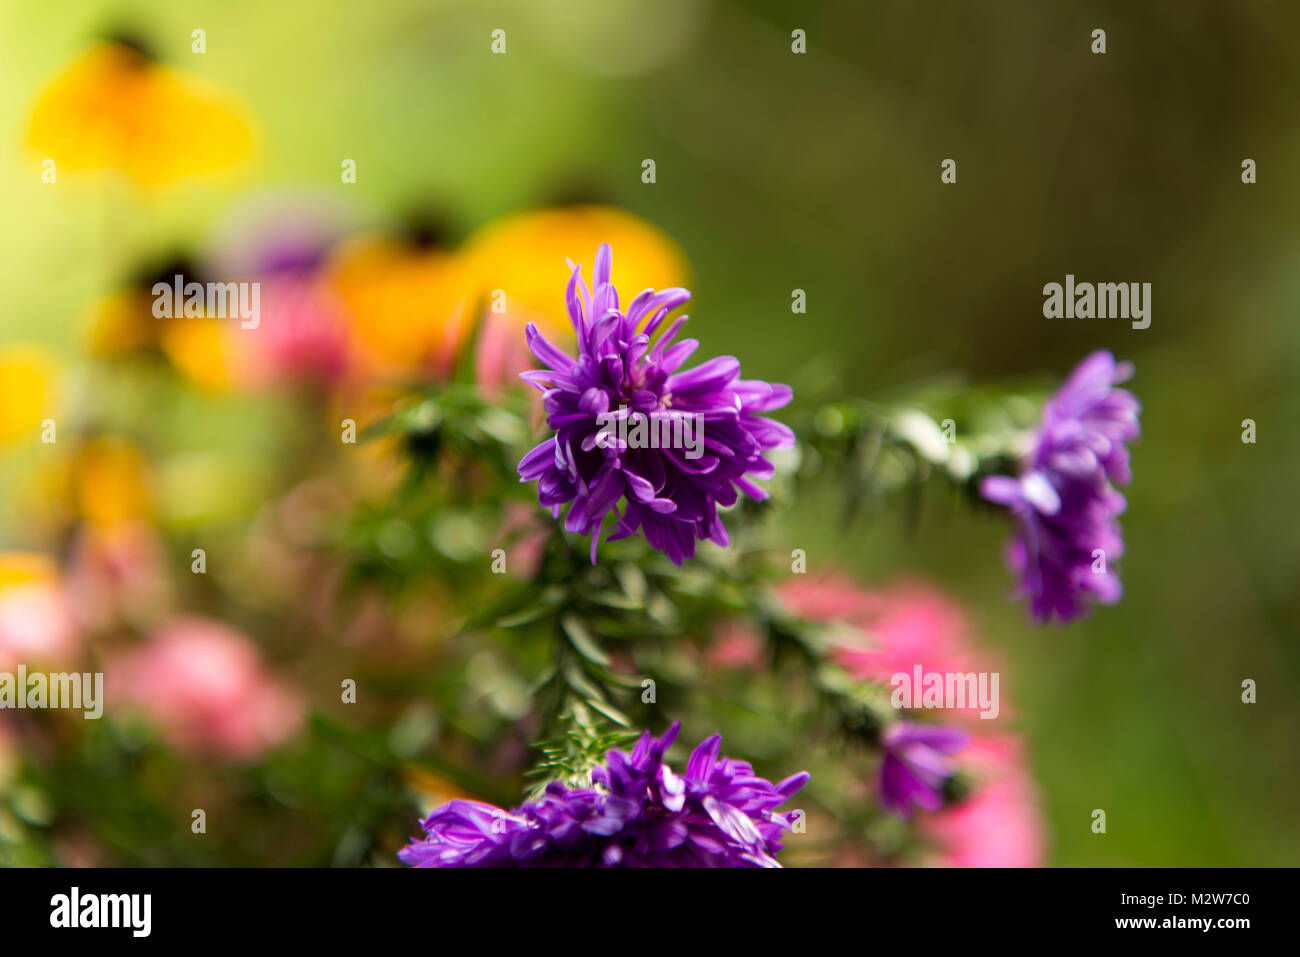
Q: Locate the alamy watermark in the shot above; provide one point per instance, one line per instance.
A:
(213, 300)
(1103, 300)
(75, 909)
(936, 689)
(78, 689)
(622, 429)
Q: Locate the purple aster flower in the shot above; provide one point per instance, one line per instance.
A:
(1064, 498)
(624, 375)
(916, 765)
(637, 813)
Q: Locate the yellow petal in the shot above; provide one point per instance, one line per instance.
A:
(122, 323)
(113, 108)
(524, 255)
(26, 568)
(110, 481)
(26, 391)
(406, 305)
(203, 350)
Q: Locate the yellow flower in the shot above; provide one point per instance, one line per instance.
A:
(26, 391)
(26, 568)
(524, 256)
(121, 324)
(114, 108)
(110, 481)
(203, 349)
(406, 305)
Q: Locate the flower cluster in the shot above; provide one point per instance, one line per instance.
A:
(637, 813)
(1065, 498)
(671, 498)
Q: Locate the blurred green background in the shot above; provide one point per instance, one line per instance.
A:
(820, 171)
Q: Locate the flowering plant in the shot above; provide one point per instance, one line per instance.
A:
(382, 639)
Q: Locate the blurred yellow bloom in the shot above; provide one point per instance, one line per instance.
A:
(122, 323)
(26, 390)
(524, 256)
(110, 481)
(406, 304)
(26, 568)
(114, 108)
(203, 349)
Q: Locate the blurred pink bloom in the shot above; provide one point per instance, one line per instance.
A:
(890, 630)
(500, 356)
(1000, 824)
(36, 627)
(117, 573)
(302, 335)
(884, 632)
(204, 686)
(736, 646)
(502, 353)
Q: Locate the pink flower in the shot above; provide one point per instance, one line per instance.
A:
(203, 684)
(1000, 824)
(736, 646)
(36, 626)
(891, 630)
(887, 631)
(301, 335)
(501, 355)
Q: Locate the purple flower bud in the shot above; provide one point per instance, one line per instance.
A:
(1064, 498)
(916, 765)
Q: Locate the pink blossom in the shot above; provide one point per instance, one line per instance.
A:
(1000, 824)
(879, 633)
(301, 334)
(736, 646)
(886, 631)
(501, 355)
(204, 685)
(36, 626)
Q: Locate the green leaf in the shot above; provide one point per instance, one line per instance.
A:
(583, 641)
(579, 682)
(609, 711)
